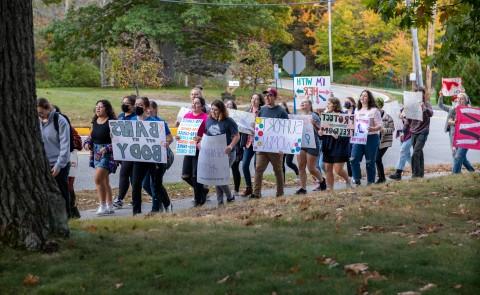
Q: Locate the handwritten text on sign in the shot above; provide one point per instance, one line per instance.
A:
(187, 131)
(412, 105)
(360, 133)
(316, 89)
(245, 121)
(467, 128)
(138, 141)
(451, 86)
(338, 124)
(308, 136)
(213, 167)
(278, 135)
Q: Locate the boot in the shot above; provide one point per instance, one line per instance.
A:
(248, 191)
(397, 175)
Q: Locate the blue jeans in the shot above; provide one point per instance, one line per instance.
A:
(460, 159)
(370, 151)
(405, 154)
(248, 154)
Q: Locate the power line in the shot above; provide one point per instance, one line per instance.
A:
(256, 4)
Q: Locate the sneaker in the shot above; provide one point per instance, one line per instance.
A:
(348, 185)
(101, 210)
(248, 191)
(301, 191)
(253, 196)
(323, 184)
(109, 209)
(118, 203)
(380, 181)
(232, 199)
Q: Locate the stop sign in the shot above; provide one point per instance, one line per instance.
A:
(293, 62)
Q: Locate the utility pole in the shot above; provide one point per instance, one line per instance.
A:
(103, 58)
(330, 39)
(430, 49)
(416, 52)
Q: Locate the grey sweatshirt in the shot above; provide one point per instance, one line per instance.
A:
(56, 144)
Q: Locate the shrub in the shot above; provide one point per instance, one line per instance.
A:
(67, 73)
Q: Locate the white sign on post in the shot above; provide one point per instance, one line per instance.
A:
(245, 120)
(308, 135)
(275, 135)
(233, 83)
(213, 167)
(138, 141)
(187, 131)
(411, 105)
(360, 134)
(316, 89)
(182, 112)
(451, 86)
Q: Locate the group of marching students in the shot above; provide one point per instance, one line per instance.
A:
(330, 154)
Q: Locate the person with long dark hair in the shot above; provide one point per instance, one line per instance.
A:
(386, 140)
(367, 109)
(246, 142)
(349, 105)
(238, 154)
(101, 155)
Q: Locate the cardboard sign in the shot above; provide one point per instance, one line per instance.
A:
(213, 167)
(393, 108)
(338, 124)
(187, 131)
(245, 120)
(467, 128)
(360, 133)
(182, 112)
(138, 141)
(275, 135)
(451, 86)
(316, 89)
(411, 105)
(308, 135)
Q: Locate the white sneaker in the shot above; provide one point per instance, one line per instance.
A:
(109, 209)
(101, 210)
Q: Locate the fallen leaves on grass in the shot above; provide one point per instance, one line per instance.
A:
(409, 293)
(304, 204)
(373, 228)
(427, 287)
(355, 268)
(294, 269)
(31, 280)
(224, 280)
(118, 285)
(372, 276)
(475, 233)
(316, 216)
(91, 228)
(327, 261)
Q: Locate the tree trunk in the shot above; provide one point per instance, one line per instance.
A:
(31, 206)
(168, 54)
(103, 67)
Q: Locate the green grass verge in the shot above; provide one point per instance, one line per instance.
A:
(412, 233)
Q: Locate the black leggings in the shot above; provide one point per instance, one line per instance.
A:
(379, 163)
(139, 170)
(189, 175)
(237, 179)
(125, 179)
(288, 158)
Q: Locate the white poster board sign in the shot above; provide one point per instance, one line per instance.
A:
(393, 109)
(308, 135)
(138, 141)
(361, 131)
(181, 113)
(411, 105)
(187, 131)
(275, 135)
(337, 124)
(213, 167)
(451, 86)
(316, 89)
(245, 120)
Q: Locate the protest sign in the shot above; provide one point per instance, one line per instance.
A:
(411, 105)
(360, 133)
(275, 135)
(316, 89)
(187, 131)
(245, 121)
(138, 141)
(308, 135)
(337, 124)
(213, 167)
(467, 128)
(393, 109)
(451, 86)
(181, 113)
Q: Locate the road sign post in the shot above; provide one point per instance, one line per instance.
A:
(294, 63)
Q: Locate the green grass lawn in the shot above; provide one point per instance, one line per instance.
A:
(78, 103)
(410, 233)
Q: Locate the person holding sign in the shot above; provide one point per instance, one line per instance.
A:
(308, 156)
(419, 130)
(246, 142)
(335, 149)
(155, 170)
(219, 123)
(366, 111)
(189, 169)
(270, 110)
(386, 140)
(101, 156)
(459, 154)
(238, 151)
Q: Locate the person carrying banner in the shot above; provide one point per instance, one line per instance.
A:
(189, 169)
(419, 130)
(406, 144)
(367, 110)
(459, 154)
(246, 142)
(128, 113)
(288, 158)
(219, 123)
(57, 146)
(307, 158)
(238, 151)
(101, 154)
(349, 106)
(386, 140)
(336, 149)
(270, 110)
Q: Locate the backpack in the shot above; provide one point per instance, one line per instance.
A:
(75, 139)
(170, 157)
